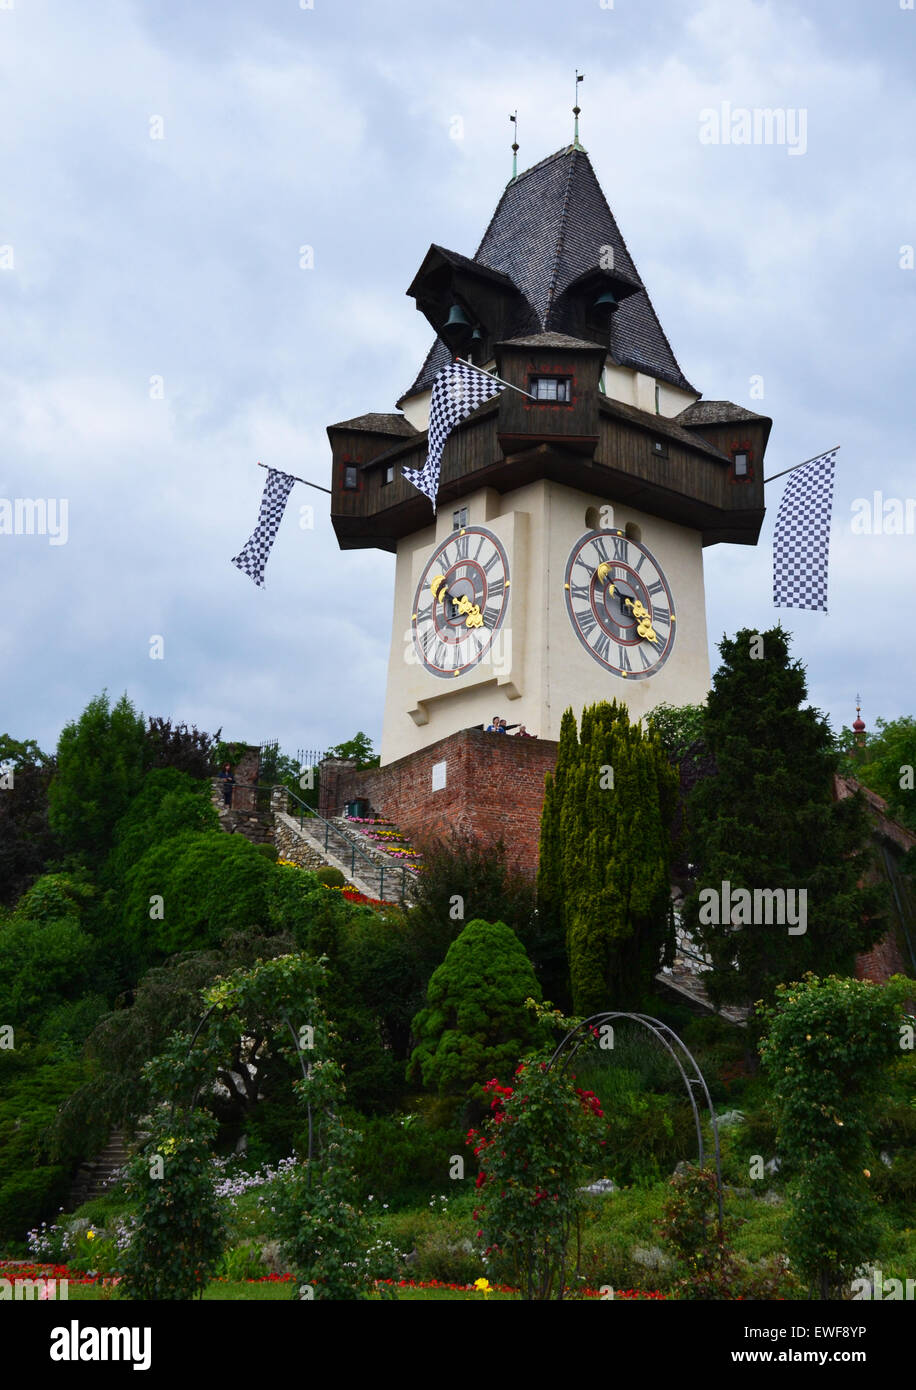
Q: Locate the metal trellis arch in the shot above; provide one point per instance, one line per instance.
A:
(680, 1053)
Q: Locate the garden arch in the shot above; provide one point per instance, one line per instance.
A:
(686, 1063)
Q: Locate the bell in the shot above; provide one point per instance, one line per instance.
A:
(604, 306)
(457, 328)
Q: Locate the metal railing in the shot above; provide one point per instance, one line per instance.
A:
(336, 837)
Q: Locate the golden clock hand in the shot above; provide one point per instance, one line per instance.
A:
(471, 611)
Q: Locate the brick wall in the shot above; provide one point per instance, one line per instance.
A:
(883, 960)
(494, 789)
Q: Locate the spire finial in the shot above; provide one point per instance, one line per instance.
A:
(580, 77)
(514, 120)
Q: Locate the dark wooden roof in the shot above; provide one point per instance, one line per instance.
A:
(659, 424)
(377, 424)
(551, 340)
(545, 234)
(715, 413)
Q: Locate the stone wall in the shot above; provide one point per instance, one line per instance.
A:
(296, 847)
(256, 826)
(488, 785)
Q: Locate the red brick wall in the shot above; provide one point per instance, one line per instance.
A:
(883, 960)
(494, 790)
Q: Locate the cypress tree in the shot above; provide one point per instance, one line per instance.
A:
(767, 820)
(604, 875)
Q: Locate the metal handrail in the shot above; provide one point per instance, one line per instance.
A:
(309, 812)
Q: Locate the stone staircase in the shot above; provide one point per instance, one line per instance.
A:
(96, 1175)
(330, 844)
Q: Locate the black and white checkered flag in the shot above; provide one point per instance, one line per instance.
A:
(457, 390)
(252, 559)
(801, 541)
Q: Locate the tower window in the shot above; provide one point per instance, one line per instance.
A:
(660, 448)
(742, 462)
(388, 476)
(350, 476)
(551, 388)
(459, 519)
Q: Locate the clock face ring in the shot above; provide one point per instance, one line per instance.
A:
(461, 602)
(619, 603)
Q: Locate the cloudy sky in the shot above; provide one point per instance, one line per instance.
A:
(163, 162)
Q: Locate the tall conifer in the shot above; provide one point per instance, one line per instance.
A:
(767, 819)
(604, 874)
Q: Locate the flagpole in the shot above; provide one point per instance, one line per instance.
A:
(300, 480)
(493, 377)
(821, 455)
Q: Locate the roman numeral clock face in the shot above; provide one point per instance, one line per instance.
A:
(619, 603)
(460, 602)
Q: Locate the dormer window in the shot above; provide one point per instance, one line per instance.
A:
(742, 464)
(551, 388)
(350, 477)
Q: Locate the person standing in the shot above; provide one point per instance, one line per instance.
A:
(228, 782)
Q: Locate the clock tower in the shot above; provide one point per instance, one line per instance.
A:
(564, 564)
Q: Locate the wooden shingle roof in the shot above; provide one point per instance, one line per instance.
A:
(548, 230)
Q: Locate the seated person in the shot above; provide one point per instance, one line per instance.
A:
(523, 732)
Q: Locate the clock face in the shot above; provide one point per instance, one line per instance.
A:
(460, 602)
(619, 603)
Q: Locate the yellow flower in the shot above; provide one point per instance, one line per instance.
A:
(90, 1235)
(482, 1286)
(866, 1172)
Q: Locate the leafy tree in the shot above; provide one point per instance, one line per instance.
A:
(45, 955)
(766, 820)
(208, 883)
(475, 1022)
(27, 843)
(463, 879)
(167, 1000)
(168, 803)
(679, 727)
(358, 747)
(100, 763)
(363, 990)
(886, 764)
(605, 855)
(542, 1136)
(185, 749)
(829, 1047)
(34, 1081)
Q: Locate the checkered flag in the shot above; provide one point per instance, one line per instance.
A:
(457, 390)
(253, 558)
(801, 541)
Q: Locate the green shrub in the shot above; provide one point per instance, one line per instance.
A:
(475, 1024)
(831, 1047)
(210, 883)
(268, 852)
(330, 877)
(30, 1196)
(241, 1262)
(401, 1159)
